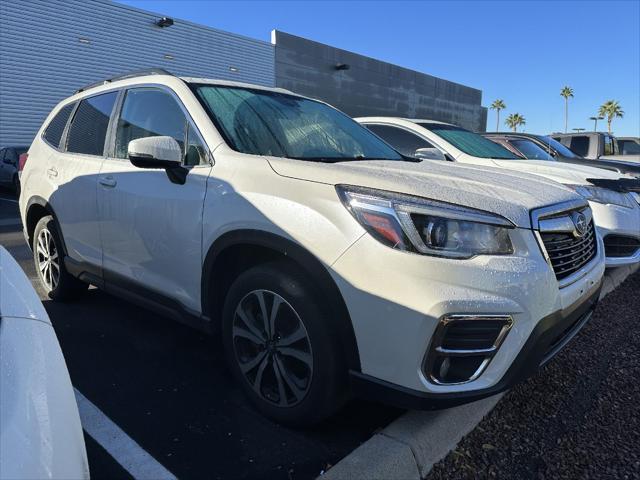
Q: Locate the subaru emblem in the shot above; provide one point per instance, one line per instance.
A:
(580, 222)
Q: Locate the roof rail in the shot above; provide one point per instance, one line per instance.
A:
(136, 73)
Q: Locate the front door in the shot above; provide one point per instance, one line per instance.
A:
(151, 228)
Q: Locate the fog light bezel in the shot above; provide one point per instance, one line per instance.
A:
(436, 350)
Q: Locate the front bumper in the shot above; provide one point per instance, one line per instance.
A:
(396, 300)
(550, 335)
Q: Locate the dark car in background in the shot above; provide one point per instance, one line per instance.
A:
(629, 145)
(594, 145)
(9, 163)
(542, 147)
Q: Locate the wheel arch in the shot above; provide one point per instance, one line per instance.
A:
(237, 250)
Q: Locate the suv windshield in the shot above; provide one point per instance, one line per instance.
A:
(261, 122)
(558, 147)
(469, 142)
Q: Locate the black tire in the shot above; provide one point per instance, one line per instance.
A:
(59, 284)
(326, 388)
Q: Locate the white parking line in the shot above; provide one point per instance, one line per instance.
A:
(131, 456)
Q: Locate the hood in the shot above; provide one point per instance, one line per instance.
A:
(570, 174)
(507, 193)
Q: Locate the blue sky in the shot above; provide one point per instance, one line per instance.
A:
(522, 52)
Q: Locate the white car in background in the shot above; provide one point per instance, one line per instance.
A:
(616, 214)
(40, 432)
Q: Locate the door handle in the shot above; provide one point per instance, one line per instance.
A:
(52, 172)
(108, 182)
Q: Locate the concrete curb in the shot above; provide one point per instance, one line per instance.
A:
(408, 448)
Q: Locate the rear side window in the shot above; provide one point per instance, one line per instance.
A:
(580, 145)
(53, 132)
(89, 125)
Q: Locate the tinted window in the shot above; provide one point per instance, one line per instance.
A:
(558, 147)
(580, 145)
(405, 142)
(54, 130)
(628, 147)
(149, 112)
(11, 155)
(89, 125)
(469, 142)
(262, 122)
(530, 150)
(608, 145)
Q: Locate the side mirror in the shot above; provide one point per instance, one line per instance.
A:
(155, 152)
(158, 152)
(430, 154)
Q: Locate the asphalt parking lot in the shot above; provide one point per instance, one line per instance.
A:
(166, 386)
(576, 418)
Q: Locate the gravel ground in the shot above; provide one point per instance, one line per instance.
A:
(579, 417)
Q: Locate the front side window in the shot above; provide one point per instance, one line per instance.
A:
(469, 142)
(53, 132)
(530, 150)
(89, 125)
(149, 112)
(260, 122)
(405, 142)
(580, 145)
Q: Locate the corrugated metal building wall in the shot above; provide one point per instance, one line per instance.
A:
(50, 48)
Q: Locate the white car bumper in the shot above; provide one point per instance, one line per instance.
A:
(619, 221)
(396, 300)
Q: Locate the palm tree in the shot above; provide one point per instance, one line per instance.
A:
(498, 105)
(566, 92)
(610, 109)
(514, 120)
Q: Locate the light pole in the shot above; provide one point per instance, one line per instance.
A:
(595, 122)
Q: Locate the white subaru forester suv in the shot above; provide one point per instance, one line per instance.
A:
(330, 263)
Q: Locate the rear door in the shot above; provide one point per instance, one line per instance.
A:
(73, 170)
(151, 228)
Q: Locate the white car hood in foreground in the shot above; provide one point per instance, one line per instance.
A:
(40, 432)
(570, 174)
(507, 193)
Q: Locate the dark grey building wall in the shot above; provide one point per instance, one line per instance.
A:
(372, 87)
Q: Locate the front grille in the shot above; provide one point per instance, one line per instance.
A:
(620, 246)
(569, 253)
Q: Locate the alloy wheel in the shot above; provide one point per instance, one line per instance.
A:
(48, 259)
(272, 348)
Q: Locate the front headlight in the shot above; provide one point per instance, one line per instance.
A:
(603, 195)
(425, 226)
